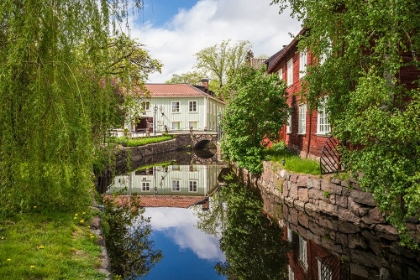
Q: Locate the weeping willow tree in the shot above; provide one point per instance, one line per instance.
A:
(58, 95)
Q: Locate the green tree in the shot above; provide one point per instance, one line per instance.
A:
(57, 98)
(128, 240)
(192, 78)
(222, 61)
(372, 104)
(256, 111)
(252, 242)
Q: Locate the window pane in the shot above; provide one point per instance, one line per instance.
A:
(175, 106)
(302, 119)
(192, 106)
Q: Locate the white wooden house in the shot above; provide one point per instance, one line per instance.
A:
(177, 107)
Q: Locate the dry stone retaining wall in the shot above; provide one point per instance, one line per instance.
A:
(338, 198)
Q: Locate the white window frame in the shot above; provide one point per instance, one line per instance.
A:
(323, 123)
(324, 56)
(289, 123)
(175, 106)
(327, 268)
(176, 186)
(192, 124)
(291, 272)
(177, 126)
(145, 186)
(193, 106)
(303, 252)
(145, 105)
(290, 72)
(303, 61)
(280, 74)
(289, 234)
(302, 119)
(192, 186)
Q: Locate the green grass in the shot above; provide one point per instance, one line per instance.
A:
(292, 162)
(48, 246)
(135, 142)
(163, 164)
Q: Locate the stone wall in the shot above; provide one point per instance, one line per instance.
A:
(368, 253)
(136, 154)
(337, 198)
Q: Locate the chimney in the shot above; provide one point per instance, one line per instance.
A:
(205, 84)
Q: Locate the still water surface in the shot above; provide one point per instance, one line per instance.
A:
(208, 228)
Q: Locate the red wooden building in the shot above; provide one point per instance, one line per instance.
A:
(306, 131)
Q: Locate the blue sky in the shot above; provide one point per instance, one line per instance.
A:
(173, 30)
(188, 253)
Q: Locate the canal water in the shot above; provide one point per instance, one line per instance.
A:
(209, 225)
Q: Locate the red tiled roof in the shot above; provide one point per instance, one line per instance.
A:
(179, 90)
(163, 200)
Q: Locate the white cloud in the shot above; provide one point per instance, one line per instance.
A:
(179, 225)
(208, 23)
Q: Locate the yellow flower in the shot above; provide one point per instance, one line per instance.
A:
(82, 221)
(84, 213)
(32, 266)
(76, 215)
(35, 206)
(41, 247)
(9, 260)
(74, 218)
(92, 236)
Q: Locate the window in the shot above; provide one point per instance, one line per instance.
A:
(303, 253)
(145, 187)
(302, 119)
(192, 124)
(289, 234)
(327, 52)
(175, 107)
(145, 105)
(175, 185)
(290, 72)
(176, 125)
(303, 61)
(323, 124)
(193, 186)
(192, 105)
(291, 273)
(289, 123)
(281, 74)
(324, 271)
(176, 168)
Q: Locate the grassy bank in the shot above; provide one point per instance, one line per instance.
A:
(40, 245)
(134, 142)
(290, 161)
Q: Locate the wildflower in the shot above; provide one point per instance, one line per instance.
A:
(9, 260)
(84, 213)
(32, 266)
(41, 247)
(74, 218)
(2, 238)
(35, 207)
(82, 221)
(92, 236)
(76, 215)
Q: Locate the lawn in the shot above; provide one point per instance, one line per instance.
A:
(290, 161)
(141, 141)
(48, 246)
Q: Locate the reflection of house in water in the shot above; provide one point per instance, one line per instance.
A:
(170, 186)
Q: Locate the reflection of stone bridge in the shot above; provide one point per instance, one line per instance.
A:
(204, 146)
